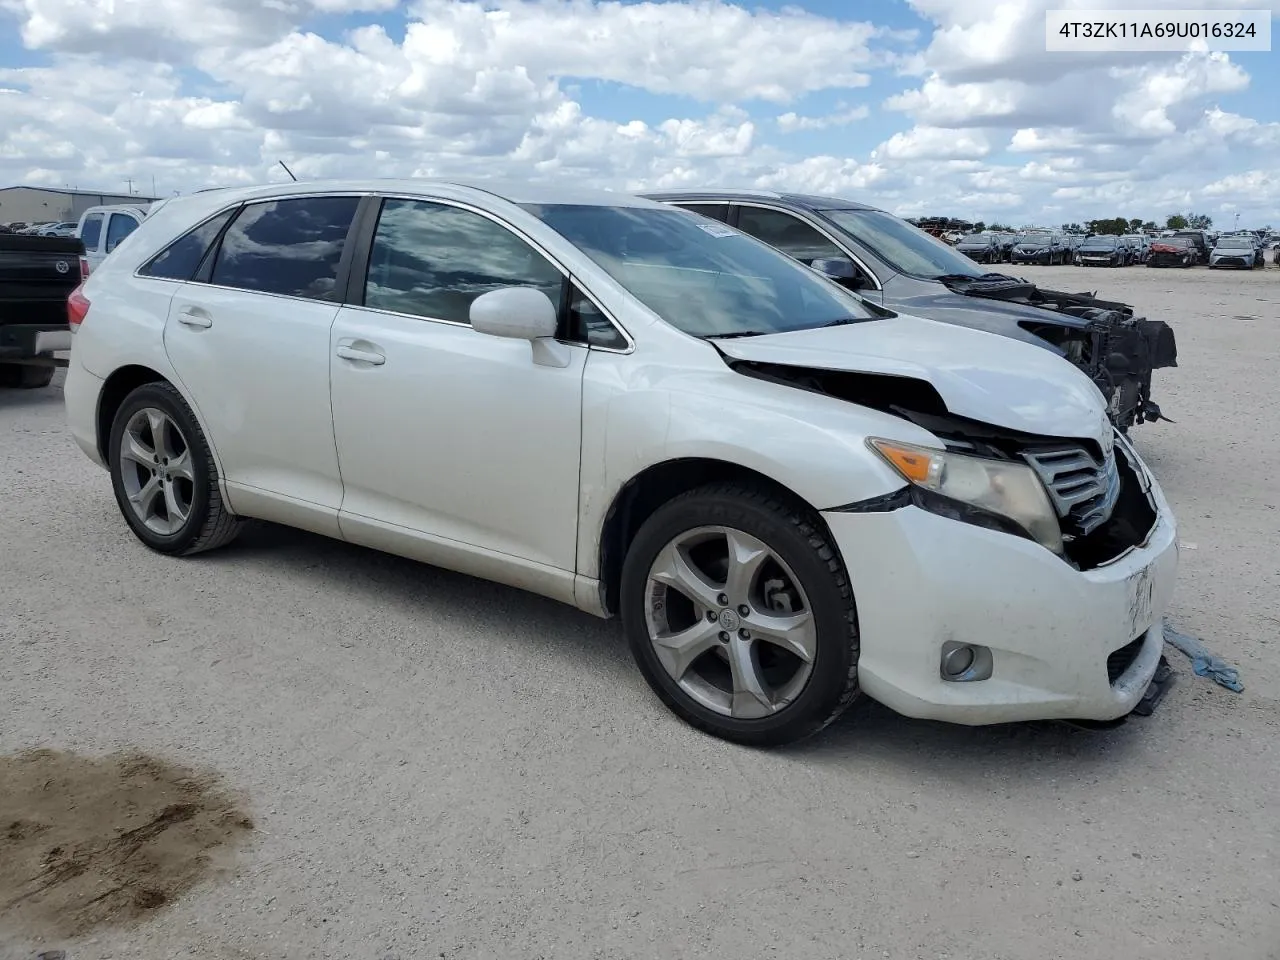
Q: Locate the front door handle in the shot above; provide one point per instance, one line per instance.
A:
(347, 352)
(195, 317)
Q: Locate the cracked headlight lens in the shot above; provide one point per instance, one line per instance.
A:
(1002, 488)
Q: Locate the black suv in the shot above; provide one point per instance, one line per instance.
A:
(899, 266)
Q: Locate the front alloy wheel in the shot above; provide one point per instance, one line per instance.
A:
(740, 615)
(729, 622)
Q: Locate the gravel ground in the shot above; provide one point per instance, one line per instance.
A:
(440, 767)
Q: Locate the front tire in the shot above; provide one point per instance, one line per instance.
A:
(164, 476)
(740, 614)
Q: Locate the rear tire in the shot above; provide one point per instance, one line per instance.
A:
(24, 376)
(164, 476)
(787, 571)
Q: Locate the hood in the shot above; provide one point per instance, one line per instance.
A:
(979, 375)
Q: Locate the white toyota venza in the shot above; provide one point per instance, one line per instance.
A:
(788, 495)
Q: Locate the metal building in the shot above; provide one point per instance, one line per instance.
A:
(42, 204)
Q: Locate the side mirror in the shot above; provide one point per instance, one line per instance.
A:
(521, 313)
(839, 269)
(518, 313)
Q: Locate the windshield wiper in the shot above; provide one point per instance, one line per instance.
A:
(950, 278)
(739, 333)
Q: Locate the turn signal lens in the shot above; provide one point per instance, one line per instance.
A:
(913, 463)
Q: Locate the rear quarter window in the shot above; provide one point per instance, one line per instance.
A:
(181, 259)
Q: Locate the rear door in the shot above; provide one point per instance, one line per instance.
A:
(249, 339)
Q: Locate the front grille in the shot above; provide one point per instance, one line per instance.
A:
(1121, 660)
(1083, 490)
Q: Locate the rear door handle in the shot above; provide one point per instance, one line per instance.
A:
(348, 352)
(194, 317)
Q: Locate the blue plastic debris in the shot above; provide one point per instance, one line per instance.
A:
(1204, 663)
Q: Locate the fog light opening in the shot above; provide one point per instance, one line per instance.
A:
(964, 662)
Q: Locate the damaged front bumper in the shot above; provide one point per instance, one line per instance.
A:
(1063, 643)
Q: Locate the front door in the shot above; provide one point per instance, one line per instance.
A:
(443, 431)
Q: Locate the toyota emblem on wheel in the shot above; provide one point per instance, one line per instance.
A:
(62, 266)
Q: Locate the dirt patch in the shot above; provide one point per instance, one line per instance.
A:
(90, 841)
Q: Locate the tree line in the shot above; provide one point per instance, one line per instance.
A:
(1119, 225)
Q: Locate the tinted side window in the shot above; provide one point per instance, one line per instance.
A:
(118, 227)
(289, 247)
(179, 260)
(588, 324)
(91, 231)
(793, 237)
(716, 211)
(431, 260)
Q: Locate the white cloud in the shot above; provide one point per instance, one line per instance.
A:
(1151, 91)
(825, 175)
(933, 143)
(944, 104)
(791, 122)
(1033, 140)
(205, 92)
(1254, 185)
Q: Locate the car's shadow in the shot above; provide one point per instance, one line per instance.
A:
(866, 732)
(15, 398)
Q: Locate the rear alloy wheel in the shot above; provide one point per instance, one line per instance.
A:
(740, 615)
(164, 476)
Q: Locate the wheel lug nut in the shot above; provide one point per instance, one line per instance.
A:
(743, 609)
(722, 600)
(711, 615)
(744, 635)
(724, 636)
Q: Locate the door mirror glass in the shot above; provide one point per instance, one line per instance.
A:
(519, 313)
(839, 269)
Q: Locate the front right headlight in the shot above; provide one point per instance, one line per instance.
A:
(1001, 489)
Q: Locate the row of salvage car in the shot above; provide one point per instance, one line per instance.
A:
(1185, 248)
(876, 470)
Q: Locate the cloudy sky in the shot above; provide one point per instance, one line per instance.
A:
(940, 106)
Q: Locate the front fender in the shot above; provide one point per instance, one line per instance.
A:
(811, 444)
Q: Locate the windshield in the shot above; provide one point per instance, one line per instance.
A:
(906, 248)
(1035, 239)
(699, 275)
(1108, 243)
(1236, 243)
(974, 240)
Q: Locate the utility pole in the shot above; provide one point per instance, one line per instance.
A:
(129, 184)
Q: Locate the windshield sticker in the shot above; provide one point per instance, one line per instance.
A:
(717, 229)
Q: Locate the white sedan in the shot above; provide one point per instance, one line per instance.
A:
(788, 495)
